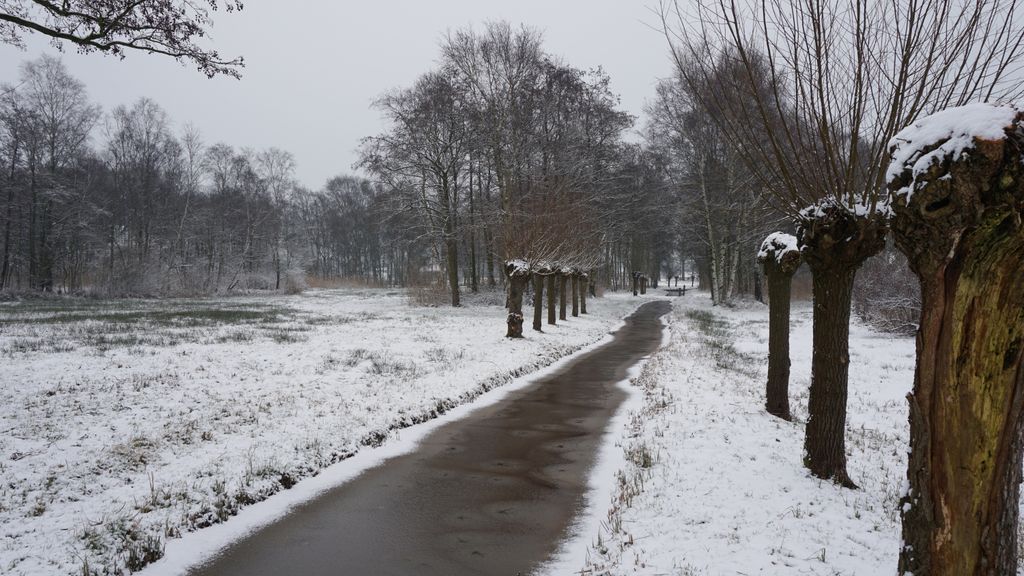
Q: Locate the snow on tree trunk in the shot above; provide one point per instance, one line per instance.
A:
(834, 241)
(956, 187)
(518, 273)
(779, 257)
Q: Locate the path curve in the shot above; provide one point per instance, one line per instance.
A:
(492, 493)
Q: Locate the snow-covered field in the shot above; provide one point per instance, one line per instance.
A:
(714, 485)
(123, 424)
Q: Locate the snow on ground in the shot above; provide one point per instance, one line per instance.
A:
(126, 423)
(714, 485)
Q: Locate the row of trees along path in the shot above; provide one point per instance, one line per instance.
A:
(563, 284)
(815, 118)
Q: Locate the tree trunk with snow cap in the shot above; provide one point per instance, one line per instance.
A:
(518, 273)
(779, 257)
(834, 241)
(956, 185)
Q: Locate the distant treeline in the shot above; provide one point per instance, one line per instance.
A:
(502, 151)
(122, 203)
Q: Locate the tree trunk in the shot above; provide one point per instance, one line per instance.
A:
(777, 392)
(562, 281)
(834, 242)
(825, 442)
(5, 267)
(517, 283)
(552, 292)
(538, 301)
(961, 231)
(779, 258)
(584, 281)
(575, 295)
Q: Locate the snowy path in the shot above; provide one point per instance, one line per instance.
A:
(492, 493)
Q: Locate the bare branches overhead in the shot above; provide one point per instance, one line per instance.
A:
(172, 28)
(833, 82)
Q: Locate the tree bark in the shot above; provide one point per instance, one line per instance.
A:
(961, 231)
(538, 301)
(834, 242)
(825, 440)
(575, 295)
(562, 281)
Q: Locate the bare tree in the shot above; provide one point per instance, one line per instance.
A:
(425, 152)
(277, 168)
(822, 108)
(62, 118)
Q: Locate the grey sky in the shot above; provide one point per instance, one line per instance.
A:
(313, 67)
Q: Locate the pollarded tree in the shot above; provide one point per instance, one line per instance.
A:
(779, 257)
(956, 183)
(819, 109)
(168, 27)
(518, 274)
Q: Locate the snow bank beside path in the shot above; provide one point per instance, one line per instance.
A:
(714, 485)
(125, 424)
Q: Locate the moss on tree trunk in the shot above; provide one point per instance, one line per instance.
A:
(961, 231)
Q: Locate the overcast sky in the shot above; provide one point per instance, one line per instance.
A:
(313, 67)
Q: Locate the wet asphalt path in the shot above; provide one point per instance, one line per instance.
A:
(490, 494)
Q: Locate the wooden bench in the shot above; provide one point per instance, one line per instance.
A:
(679, 291)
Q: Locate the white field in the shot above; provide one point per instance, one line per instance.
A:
(714, 485)
(123, 424)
